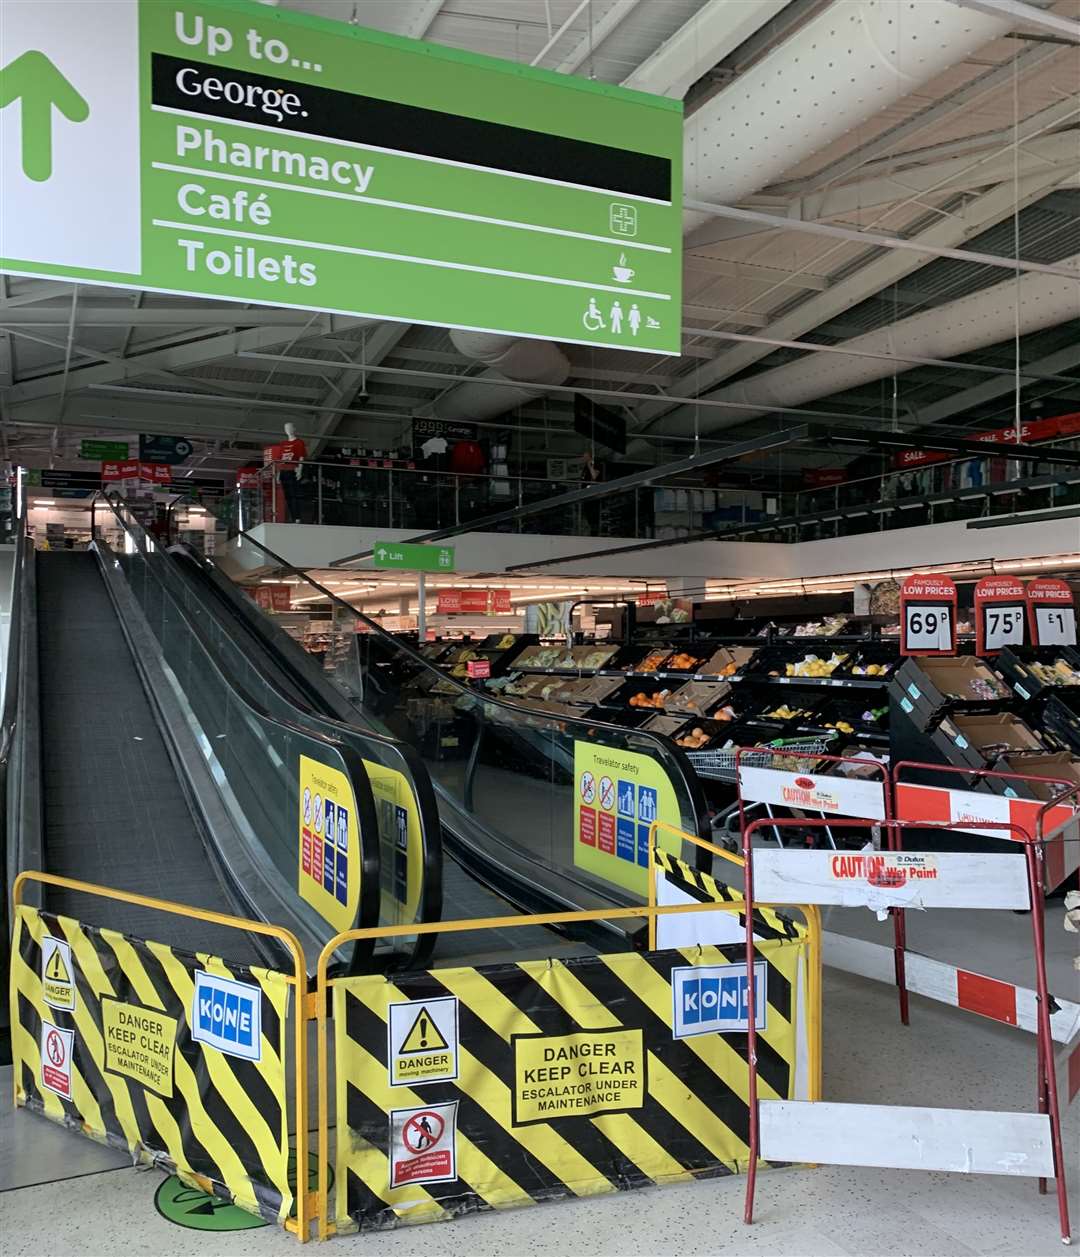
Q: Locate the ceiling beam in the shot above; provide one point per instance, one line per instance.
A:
(965, 399)
(179, 357)
(595, 35)
(893, 140)
(874, 239)
(715, 31)
(751, 271)
(879, 271)
(118, 314)
(1026, 15)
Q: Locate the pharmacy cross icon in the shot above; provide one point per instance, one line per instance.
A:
(622, 219)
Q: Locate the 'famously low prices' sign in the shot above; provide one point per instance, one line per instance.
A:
(1051, 612)
(999, 614)
(928, 615)
(227, 150)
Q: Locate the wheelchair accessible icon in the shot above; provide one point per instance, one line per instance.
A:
(592, 319)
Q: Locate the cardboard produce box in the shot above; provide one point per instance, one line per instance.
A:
(720, 663)
(965, 678)
(1001, 729)
(1051, 764)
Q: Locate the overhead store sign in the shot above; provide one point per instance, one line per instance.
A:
(414, 558)
(221, 150)
(1032, 431)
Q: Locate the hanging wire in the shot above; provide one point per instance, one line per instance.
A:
(1016, 240)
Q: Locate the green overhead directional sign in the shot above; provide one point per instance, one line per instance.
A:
(104, 451)
(224, 149)
(413, 558)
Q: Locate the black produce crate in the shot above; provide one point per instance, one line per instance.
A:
(627, 717)
(1061, 721)
(640, 685)
(718, 730)
(629, 657)
(1015, 667)
(916, 691)
(776, 658)
(871, 653)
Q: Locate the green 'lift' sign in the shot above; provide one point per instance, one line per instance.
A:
(413, 558)
(221, 149)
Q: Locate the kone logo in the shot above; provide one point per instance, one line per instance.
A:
(227, 1015)
(712, 998)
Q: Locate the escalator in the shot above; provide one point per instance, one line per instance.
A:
(504, 777)
(135, 754)
(112, 807)
(280, 662)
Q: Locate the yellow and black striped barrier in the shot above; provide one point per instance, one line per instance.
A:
(472, 1088)
(178, 1058)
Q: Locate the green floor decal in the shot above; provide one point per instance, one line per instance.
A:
(189, 1207)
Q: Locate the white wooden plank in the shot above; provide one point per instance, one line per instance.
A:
(935, 979)
(900, 1137)
(883, 879)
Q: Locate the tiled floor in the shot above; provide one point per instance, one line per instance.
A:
(64, 1195)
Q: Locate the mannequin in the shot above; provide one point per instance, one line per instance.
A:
(291, 452)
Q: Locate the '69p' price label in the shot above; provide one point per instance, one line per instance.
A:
(927, 628)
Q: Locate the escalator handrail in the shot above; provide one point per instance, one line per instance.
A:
(370, 884)
(9, 721)
(694, 789)
(430, 905)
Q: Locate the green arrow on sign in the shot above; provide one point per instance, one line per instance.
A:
(38, 84)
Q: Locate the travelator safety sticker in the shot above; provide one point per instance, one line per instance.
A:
(570, 1082)
(126, 1065)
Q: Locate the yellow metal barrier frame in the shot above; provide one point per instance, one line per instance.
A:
(305, 1200)
(812, 916)
(650, 911)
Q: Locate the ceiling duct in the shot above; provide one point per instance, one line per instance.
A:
(984, 318)
(536, 363)
(848, 63)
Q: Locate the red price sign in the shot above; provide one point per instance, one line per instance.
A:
(1051, 612)
(999, 614)
(928, 615)
(479, 668)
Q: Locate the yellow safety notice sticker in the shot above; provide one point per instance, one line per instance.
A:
(140, 1044)
(577, 1075)
(422, 1041)
(57, 974)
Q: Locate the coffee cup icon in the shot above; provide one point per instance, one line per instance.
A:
(621, 271)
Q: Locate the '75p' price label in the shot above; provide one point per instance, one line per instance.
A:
(927, 628)
(1003, 626)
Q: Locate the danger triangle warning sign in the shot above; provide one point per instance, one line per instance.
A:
(422, 1041)
(424, 1036)
(56, 970)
